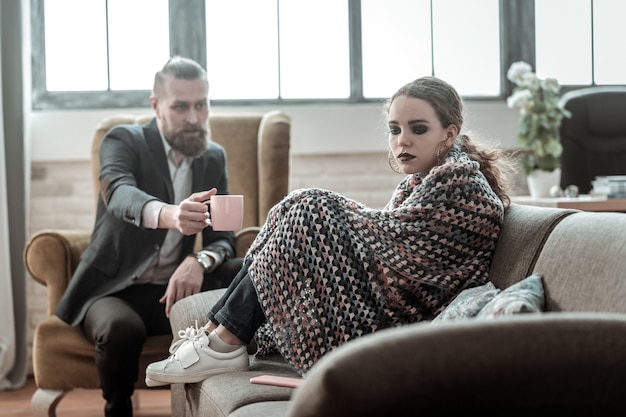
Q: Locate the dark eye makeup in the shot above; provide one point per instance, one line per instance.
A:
(416, 129)
(394, 130)
(419, 129)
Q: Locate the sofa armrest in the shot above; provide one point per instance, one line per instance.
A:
(551, 363)
(51, 256)
(193, 310)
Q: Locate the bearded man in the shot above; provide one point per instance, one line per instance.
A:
(155, 181)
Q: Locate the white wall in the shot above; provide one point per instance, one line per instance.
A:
(328, 129)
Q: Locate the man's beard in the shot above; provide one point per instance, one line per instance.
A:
(191, 146)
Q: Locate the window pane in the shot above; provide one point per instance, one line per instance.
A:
(314, 49)
(137, 49)
(563, 40)
(609, 58)
(396, 44)
(242, 49)
(467, 45)
(76, 49)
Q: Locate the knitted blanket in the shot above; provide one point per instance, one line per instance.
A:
(328, 269)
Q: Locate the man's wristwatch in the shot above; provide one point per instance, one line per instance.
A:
(204, 260)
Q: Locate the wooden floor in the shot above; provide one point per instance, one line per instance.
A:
(83, 403)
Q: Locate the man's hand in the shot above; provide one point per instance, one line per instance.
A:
(190, 216)
(186, 281)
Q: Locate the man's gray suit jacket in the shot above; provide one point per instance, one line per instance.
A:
(134, 170)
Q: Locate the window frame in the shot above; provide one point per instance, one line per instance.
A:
(517, 42)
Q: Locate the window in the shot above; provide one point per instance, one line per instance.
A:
(302, 51)
(385, 59)
(62, 45)
(400, 43)
(245, 67)
(105, 56)
(467, 54)
(294, 50)
(579, 41)
(277, 50)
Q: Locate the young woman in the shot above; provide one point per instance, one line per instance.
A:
(326, 269)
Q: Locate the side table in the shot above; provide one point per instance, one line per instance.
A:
(583, 202)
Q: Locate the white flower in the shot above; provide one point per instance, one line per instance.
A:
(551, 84)
(517, 71)
(540, 117)
(519, 98)
(529, 80)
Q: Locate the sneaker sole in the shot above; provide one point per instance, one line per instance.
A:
(152, 383)
(156, 380)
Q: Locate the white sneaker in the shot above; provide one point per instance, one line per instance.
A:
(192, 360)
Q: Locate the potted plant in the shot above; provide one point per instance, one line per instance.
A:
(539, 123)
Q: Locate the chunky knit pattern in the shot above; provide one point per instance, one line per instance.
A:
(328, 269)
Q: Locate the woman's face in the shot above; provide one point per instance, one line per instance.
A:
(416, 134)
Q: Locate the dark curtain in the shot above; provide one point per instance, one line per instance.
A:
(13, 208)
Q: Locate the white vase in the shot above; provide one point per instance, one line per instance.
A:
(540, 182)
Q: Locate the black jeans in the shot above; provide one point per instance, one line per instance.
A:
(118, 326)
(239, 309)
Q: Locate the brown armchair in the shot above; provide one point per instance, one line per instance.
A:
(257, 147)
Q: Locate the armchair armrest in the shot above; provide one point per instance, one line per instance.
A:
(550, 364)
(244, 239)
(274, 160)
(51, 256)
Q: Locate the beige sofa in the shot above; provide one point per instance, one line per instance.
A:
(568, 360)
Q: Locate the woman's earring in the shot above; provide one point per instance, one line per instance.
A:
(393, 164)
(440, 150)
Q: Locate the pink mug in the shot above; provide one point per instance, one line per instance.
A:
(226, 212)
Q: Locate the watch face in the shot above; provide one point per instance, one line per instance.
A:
(204, 260)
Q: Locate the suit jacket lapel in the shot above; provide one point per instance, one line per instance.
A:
(153, 139)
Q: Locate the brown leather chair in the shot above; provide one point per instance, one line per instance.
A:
(257, 148)
(594, 138)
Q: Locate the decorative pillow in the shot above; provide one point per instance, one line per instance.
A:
(526, 296)
(469, 302)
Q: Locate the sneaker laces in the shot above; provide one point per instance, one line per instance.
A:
(192, 335)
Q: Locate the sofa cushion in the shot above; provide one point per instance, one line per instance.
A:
(487, 301)
(223, 394)
(561, 363)
(525, 296)
(468, 303)
(267, 408)
(583, 263)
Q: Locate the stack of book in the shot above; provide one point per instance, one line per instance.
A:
(613, 186)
